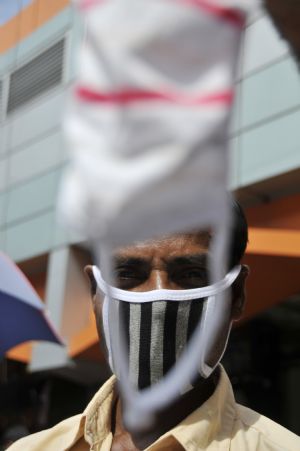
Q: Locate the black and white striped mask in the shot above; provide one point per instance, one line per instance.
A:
(157, 326)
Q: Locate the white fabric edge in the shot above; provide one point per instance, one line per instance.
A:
(165, 294)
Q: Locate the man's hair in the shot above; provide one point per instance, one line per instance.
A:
(239, 235)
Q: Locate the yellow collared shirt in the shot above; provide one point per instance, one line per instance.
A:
(219, 424)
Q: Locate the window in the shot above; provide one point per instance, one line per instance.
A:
(42, 73)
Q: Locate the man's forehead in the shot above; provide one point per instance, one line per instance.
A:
(166, 246)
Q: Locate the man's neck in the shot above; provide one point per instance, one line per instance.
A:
(166, 419)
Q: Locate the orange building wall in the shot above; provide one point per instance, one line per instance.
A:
(28, 20)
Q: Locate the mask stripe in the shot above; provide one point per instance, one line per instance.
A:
(134, 344)
(124, 313)
(183, 316)
(169, 353)
(182, 326)
(145, 343)
(195, 314)
(156, 351)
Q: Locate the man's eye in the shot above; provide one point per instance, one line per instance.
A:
(127, 278)
(190, 277)
(126, 274)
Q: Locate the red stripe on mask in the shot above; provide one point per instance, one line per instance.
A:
(231, 15)
(129, 96)
(86, 4)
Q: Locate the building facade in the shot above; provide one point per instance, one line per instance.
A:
(38, 42)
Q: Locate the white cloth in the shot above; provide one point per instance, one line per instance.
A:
(148, 120)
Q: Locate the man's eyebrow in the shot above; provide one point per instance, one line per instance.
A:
(129, 261)
(192, 259)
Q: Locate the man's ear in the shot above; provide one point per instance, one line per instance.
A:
(96, 300)
(88, 270)
(239, 294)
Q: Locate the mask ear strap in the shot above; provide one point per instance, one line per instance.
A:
(116, 334)
(207, 314)
(106, 331)
(166, 295)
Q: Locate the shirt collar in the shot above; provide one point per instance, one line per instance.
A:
(98, 413)
(208, 427)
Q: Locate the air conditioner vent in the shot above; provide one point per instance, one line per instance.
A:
(36, 77)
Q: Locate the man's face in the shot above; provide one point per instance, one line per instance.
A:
(175, 262)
